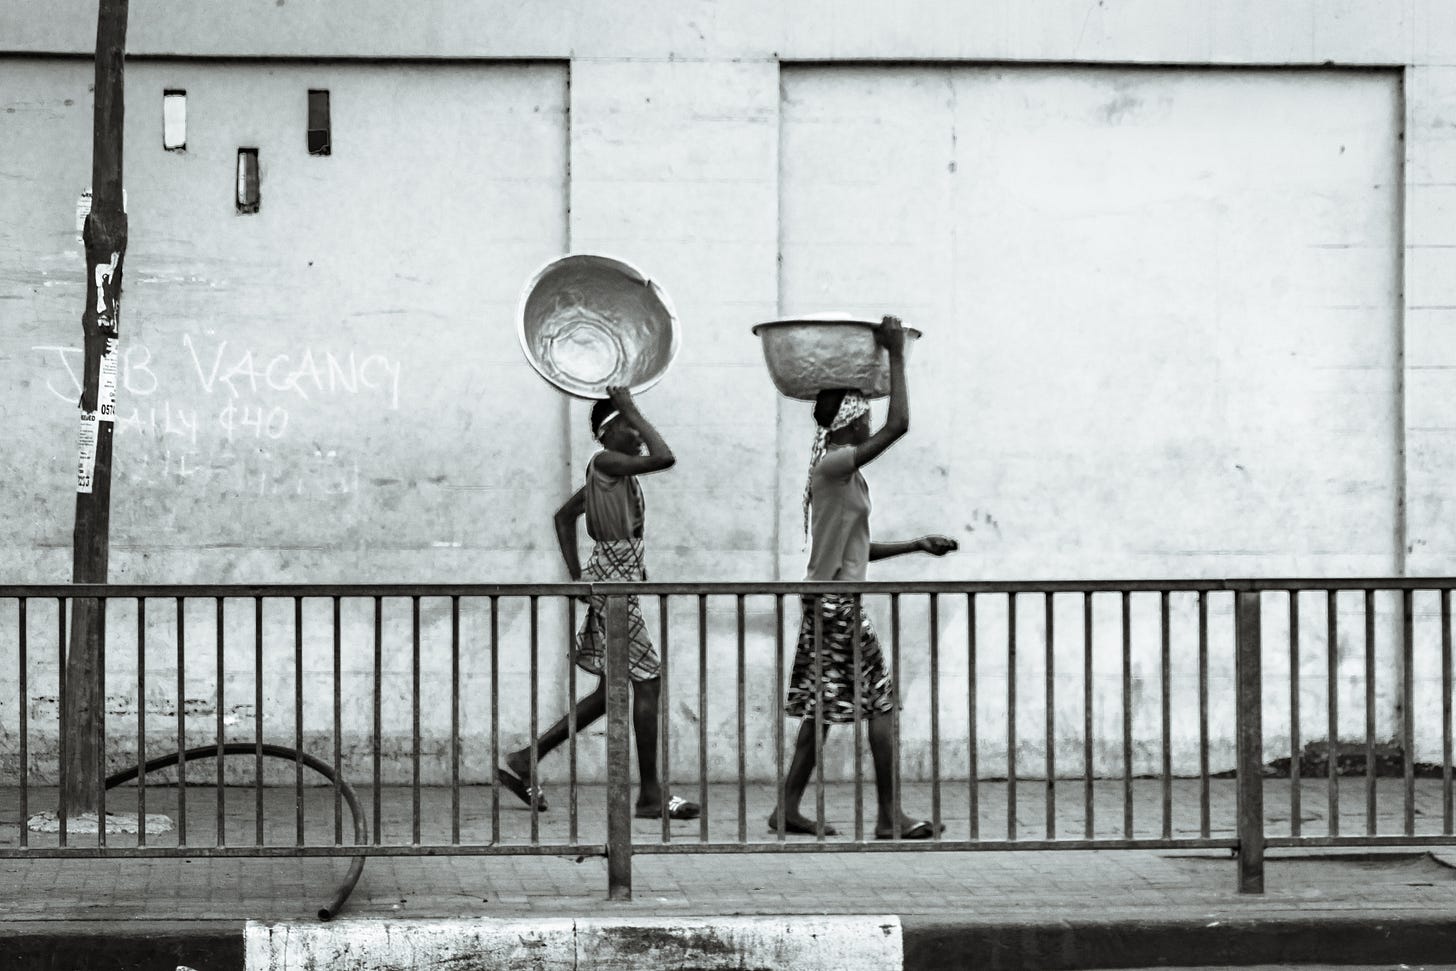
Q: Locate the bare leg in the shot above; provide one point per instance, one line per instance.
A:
(644, 725)
(801, 768)
(882, 749)
(588, 710)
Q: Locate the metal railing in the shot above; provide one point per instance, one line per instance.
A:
(1079, 715)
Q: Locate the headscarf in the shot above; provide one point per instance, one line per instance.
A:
(602, 425)
(851, 408)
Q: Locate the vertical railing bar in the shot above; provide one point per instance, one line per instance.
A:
(455, 720)
(1127, 811)
(934, 715)
(218, 693)
(742, 732)
(1332, 687)
(1370, 794)
(259, 836)
(896, 796)
(1165, 675)
(61, 690)
(1446, 795)
(24, 769)
(664, 714)
(181, 723)
(534, 782)
(415, 720)
(616, 673)
(1408, 727)
(1248, 623)
(779, 814)
(1049, 605)
(103, 605)
(1088, 812)
(495, 832)
(1203, 777)
(819, 715)
(703, 716)
(973, 781)
(573, 803)
(298, 714)
(1295, 809)
(1011, 827)
(378, 716)
(141, 725)
(856, 650)
(338, 723)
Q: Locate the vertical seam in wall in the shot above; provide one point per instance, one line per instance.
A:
(1402, 487)
(566, 464)
(1402, 493)
(778, 486)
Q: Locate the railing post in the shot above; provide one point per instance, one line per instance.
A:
(1249, 717)
(619, 755)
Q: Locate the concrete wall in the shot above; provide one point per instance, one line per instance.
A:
(1185, 289)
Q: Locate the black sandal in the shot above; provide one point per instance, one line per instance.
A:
(676, 809)
(532, 796)
(799, 829)
(922, 830)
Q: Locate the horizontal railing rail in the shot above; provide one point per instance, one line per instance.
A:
(1036, 715)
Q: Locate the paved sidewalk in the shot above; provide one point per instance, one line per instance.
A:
(1062, 908)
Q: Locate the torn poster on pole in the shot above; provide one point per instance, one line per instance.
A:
(86, 446)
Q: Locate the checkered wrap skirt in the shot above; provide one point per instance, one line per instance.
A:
(835, 682)
(615, 560)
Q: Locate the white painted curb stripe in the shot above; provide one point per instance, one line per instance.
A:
(794, 943)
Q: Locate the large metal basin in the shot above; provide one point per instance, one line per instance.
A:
(807, 354)
(587, 322)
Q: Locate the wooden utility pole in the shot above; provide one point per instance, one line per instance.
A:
(105, 238)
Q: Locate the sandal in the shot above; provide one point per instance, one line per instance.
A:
(800, 829)
(677, 808)
(922, 830)
(532, 796)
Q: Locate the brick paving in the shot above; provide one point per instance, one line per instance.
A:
(985, 886)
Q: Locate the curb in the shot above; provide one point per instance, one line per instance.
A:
(796, 942)
(1065, 944)
(121, 945)
(801, 943)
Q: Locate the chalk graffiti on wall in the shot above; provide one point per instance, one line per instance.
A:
(221, 368)
(224, 416)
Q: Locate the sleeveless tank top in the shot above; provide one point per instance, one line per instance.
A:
(614, 506)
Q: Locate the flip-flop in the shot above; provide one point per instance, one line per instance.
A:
(676, 809)
(522, 791)
(800, 829)
(922, 830)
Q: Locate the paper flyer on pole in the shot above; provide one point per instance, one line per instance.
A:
(106, 388)
(86, 467)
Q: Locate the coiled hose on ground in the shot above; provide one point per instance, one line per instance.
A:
(361, 832)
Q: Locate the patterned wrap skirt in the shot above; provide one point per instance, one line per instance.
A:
(835, 682)
(615, 560)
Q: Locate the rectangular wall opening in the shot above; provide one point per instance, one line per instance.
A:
(174, 120)
(320, 137)
(248, 188)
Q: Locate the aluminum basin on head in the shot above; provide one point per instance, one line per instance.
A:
(587, 322)
(810, 353)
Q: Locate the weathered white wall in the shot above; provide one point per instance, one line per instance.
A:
(329, 389)
(1149, 31)
(1163, 305)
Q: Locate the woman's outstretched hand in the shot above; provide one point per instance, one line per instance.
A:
(938, 545)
